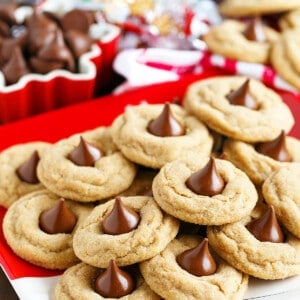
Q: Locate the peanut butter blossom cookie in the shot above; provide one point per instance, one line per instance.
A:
(285, 57)
(86, 167)
(259, 160)
(18, 171)
(282, 190)
(187, 269)
(239, 8)
(204, 191)
(127, 230)
(243, 41)
(258, 246)
(83, 281)
(152, 135)
(240, 108)
(39, 227)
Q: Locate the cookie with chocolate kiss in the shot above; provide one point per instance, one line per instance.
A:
(44, 232)
(191, 269)
(258, 245)
(121, 229)
(152, 135)
(18, 170)
(204, 191)
(90, 166)
(80, 281)
(259, 160)
(249, 41)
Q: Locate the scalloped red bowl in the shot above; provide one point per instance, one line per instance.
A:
(36, 93)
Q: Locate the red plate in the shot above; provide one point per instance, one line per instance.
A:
(61, 123)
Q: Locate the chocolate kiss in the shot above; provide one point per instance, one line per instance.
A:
(120, 220)
(206, 181)
(275, 149)
(41, 31)
(242, 97)
(8, 46)
(57, 51)
(78, 42)
(58, 219)
(165, 124)
(7, 13)
(255, 31)
(85, 154)
(114, 282)
(78, 19)
(15, 67)
(27, 171)
(266, 228)
(198, 261)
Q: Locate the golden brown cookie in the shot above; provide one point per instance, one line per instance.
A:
(207, 99)
(228, 39)
(132, 135)
(240, 8)
(152, 233)
(108, 175)
(255, 254)
(23, 232)
(290, 20)
(232, 203)
(78, 282)
(282, 190)
(167, 278)
(12, 185)
(285, 56)
(256, 165)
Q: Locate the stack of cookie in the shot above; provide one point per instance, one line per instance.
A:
(168, 202)
(261, 32)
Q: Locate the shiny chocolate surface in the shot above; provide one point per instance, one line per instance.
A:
(275, 149)
(27, 171)
(242, 97)
(114, 282)
(121, 219)
(165, 124)
(85, 154)
(207, 181)
(58, 219)
(266, 228)
(198, 261)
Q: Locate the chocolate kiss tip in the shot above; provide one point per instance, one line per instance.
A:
(85, 154)
(207, 181)
(114, 282)
(27, 171)
(266, 228)
(255, 31)
(165, 124)
(275, 149)
(58, 219)
(242, 97)
(121, 219)
(198, 261)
